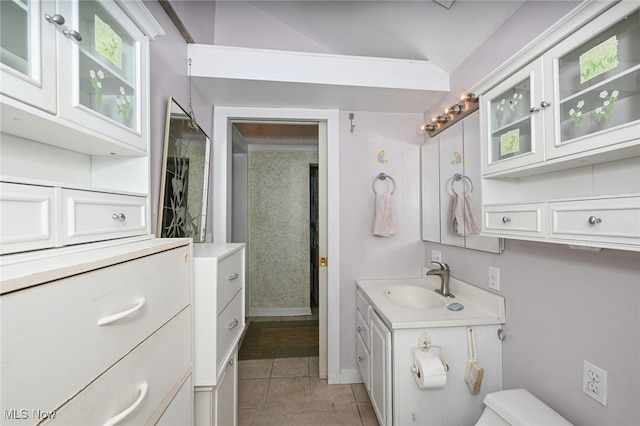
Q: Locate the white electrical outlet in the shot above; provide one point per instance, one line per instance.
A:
(436, 256)
(494, 278)
(594, 382)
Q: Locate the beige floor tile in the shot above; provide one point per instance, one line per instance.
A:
(360, 392)
(295, 318)
(290, 367)
(306, 413)
(288, 389)
(314, 366)
(254, 369)
(263, 319)
(319, 390)
(246, 416)
(367, 415)
(252, 392)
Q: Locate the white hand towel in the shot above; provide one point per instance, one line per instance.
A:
(464, 221)
(384, 218)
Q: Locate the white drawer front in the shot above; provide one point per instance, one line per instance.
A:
(229, 327)
(179, 410)
(158, 364)
(230, 278)
(363, 328)
(93, 216)
(49, 348)
(362, 306)
(522, 219)
(26, 217)
(362, 354)
(615, 220)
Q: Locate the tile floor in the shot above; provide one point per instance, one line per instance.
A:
(288, 392)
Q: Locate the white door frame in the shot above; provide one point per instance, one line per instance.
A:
(222, 175)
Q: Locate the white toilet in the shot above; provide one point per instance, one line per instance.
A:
(518, 407)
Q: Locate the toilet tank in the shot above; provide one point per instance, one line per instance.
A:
(519, 407)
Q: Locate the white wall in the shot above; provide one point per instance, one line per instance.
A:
(363, 255)
(563, 306)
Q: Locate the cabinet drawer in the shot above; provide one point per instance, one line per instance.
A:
(26, 217)
(521, 219)
(92, 216)
(58, 348)
(613, 220)
(230, 278)
(229, 327)
(362, 354)
(179, 410)
(362, 328)
(363, 306)
(147, 375)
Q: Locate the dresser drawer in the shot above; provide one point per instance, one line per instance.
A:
(229, 328)
(517, 219)
(26, 217)
(93, 216)
(362, 354)
(362, 328)
(141, 380)
(612, 220)
(363, 306)
(58, 348)
(230, 278)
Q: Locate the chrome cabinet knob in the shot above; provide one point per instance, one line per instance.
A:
(534, 109)
(594, 220)
(506, 219)
(545, 104)
(360, 359)
(119, 216)
(72, 34)
(55, 19)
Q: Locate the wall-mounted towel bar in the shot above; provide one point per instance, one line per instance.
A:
(460, 177)
(383, 176)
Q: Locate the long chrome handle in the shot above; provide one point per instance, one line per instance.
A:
(55, 19)
(233, 324)
(121, 416)
(594, 220)
(72, 34)
(233, 276)
(506, 219)
(115, 317)
(119, 216)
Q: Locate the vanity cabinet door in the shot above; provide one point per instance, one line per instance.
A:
(513, 121)
(28, 52)
(594, 84)
(380, 364)
(103, 71)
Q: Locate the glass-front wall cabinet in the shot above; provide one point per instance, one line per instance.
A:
(597, 86)
(513, 121)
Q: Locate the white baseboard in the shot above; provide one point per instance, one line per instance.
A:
(348, 376)
(279, 312)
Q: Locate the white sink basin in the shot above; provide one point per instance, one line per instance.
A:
(411, 296)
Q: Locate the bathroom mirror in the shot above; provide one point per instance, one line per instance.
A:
(185, 177)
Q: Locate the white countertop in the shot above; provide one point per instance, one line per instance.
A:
(481, 307)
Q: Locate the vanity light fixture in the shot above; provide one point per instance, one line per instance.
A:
(468, 104)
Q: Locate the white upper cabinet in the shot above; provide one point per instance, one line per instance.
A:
(513, 121)
(28, 52)
(83, 63)
(593, 85)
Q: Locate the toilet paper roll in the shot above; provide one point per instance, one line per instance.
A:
(429, 372)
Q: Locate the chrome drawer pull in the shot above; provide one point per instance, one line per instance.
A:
(594, 220)
(119, 216)
(115, 317)
(506, 219)
(72, 34)
(233, 324)
(534, 109)
(55, 19)
(359, 328)
(121, 416)
(545, 104)
(360, 358)
(233, 276)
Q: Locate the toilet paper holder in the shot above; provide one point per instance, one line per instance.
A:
(424, 344)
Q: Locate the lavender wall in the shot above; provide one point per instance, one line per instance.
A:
(363, 255)
(563, 306)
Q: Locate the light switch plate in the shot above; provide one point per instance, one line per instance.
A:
(494, 278)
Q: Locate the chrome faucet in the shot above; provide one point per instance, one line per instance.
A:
(443, 273)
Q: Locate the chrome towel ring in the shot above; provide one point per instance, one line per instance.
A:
(383, 176)
(460, 177)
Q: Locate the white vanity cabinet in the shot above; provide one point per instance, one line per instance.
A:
(585, 189)
(74, 100)
(380, 364)
(219, 308)
(119, 319)
(450, 166)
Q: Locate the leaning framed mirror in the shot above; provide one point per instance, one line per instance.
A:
(184, 185)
